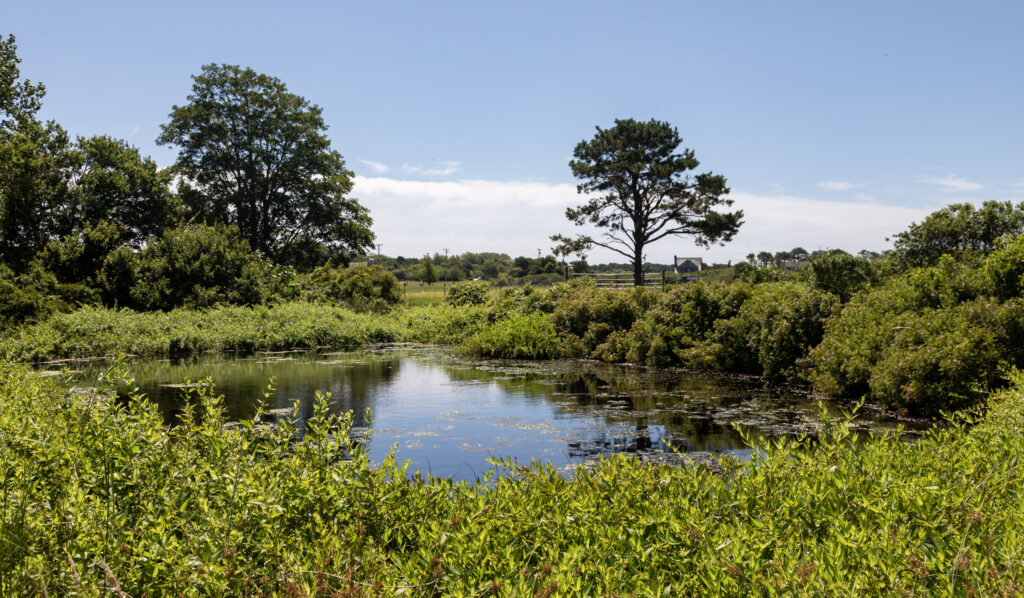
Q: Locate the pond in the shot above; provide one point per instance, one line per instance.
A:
(448, 414)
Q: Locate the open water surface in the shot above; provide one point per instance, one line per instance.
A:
(448, 414)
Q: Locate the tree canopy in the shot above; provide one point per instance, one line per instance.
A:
(256, 156)
(640, 192)
(19, 98)
(956, 229)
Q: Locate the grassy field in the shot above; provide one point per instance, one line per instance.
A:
(418, 294)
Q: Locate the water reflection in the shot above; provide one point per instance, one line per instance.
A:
(448, 415)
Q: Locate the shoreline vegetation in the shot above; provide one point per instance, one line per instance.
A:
(102, 498)
(922, 342)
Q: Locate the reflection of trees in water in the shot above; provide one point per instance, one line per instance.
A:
(630, 401)
(354, 382)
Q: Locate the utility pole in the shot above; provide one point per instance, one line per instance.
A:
(446, 255)
(538, 253)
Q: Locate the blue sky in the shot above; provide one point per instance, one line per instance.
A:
(836, 124)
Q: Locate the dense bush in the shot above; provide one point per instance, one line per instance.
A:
(76, 258)
(1004, 269)
(466, 293)
(26, 297)
(104, 499)
(586, 315)
(841, 274)
(773, 331)
(519, 336)
(362, 288)
(199, 266)
(521, 300)
(931, 339)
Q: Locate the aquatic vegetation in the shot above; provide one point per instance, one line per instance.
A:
(102, 499)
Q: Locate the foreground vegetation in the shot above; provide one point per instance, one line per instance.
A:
(104, 499)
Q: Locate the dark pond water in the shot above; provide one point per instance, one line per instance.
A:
(447, 414)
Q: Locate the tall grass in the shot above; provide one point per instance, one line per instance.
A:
(100, 499)
(102, 332)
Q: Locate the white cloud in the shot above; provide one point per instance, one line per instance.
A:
(376, 167)
(840, 185)
(951, 183)
(447, 168)
(416, 217)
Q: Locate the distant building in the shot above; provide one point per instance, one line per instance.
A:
(794, 265)
(686, 267)
(357, 264)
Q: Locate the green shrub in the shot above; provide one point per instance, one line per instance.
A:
(198, 266)
(101, 496)
(78, 257)
(945, 359)
(524, 299)
(587, 315)
(1004, 269)
(362, 288)
(925, 341)
(26, 297)
(519, 336)
(773, 331)
(841, 274)
(466, 293)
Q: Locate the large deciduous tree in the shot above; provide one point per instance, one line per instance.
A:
(254, 155)
(640, 191)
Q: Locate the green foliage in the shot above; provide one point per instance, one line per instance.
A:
(519, 336)
(441, 323)
(427, 273)
(841, 274)
(523, 300)
(79, 256)
(466, 293)
(929, 340)
(100, 496)
(286, 185)
(1004, 269)
(97, 332)
(640, 192)
(26, 297)
(199, 266)
(773, 331)
(587, 316)
(37, 203)
(20, 99)
(119, 186)
(955, 230)
(363, 288)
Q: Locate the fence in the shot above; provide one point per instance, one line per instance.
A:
(621, 280)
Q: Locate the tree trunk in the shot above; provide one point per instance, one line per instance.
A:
(638, 270)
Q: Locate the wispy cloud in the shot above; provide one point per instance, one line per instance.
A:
(841, 185)
(446, 168)
(413, 217)
(952, 183)
(376, 167)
